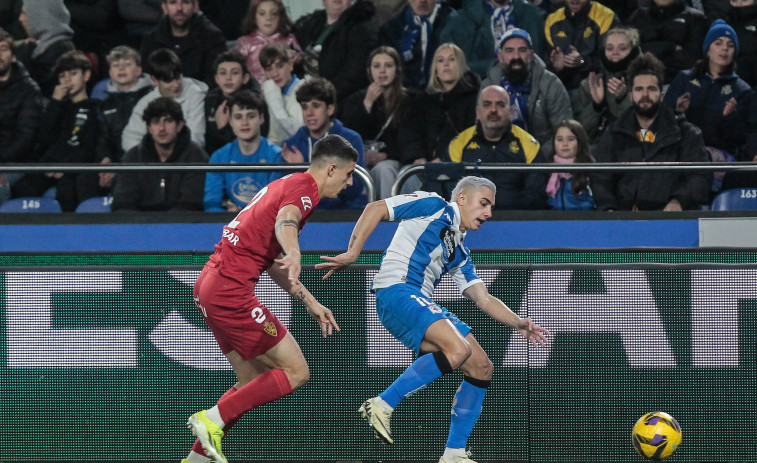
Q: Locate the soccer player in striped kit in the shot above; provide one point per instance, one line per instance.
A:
(428, 243)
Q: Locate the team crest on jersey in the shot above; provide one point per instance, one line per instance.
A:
(270, 328)
(306, 203)
(448, 241)
(588, 32)
(514, 148)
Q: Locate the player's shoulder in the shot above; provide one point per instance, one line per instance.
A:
(429, 202)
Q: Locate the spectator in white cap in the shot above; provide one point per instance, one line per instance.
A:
(538, 99)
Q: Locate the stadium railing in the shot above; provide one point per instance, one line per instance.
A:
(361, 172)
(594, 167)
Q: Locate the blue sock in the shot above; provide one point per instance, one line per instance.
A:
(468, 401)
(420, 374)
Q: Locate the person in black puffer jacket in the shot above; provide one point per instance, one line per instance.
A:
(673, 32)
(743, 19)
(197, 49)
(337, 44)
(21, 106)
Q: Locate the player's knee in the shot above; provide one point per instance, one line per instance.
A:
(479, 366)
(458, 354)
(298, 377)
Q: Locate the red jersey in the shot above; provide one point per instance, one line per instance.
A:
(249, 245)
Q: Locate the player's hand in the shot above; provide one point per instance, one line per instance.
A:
(291, 263)
(533, 332)
(325, 319)
(336, 263)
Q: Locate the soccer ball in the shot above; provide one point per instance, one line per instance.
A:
(656, 435)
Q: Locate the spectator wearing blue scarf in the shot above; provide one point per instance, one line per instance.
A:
(538, 99)
(414, 33)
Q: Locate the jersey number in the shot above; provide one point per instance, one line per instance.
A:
(255, 199)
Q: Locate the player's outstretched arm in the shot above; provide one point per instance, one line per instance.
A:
(499, 311)
(287, 231)
(373, 213)
(297, 290)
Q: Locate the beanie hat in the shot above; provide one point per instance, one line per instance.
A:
(515, 32)
(719, 29)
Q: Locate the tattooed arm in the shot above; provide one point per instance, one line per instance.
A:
(373, 213)
(287, 230)
(325, 318)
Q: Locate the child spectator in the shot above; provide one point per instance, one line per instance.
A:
(167, 74)
(570, 191)
(230, 75)
(126, 86)
(318, 100)
(231, 191)
(280, 92)
(70, 129)
(266, 22)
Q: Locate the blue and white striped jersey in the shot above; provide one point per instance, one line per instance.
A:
(427, 244)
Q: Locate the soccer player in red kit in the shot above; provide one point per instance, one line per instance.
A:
(265, 357)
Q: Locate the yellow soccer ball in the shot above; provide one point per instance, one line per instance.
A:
(656, 436)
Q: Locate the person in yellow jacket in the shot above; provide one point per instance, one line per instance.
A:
(494, 139)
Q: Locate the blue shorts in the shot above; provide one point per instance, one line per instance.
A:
(407, 314)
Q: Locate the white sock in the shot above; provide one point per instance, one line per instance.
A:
(383, 403)
(215, 416)
(451, 454)
(195, 457)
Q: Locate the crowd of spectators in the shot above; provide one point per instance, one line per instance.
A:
(438, 83)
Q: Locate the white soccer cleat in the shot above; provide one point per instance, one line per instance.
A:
(461, 459)
(378, 418)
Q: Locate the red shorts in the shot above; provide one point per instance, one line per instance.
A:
(238, 320)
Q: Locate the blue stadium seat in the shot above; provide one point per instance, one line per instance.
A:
(96, 204)
(50, 192)
(737, 199)
(31, 204)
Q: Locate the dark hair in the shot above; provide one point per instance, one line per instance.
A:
(332, 148)
(249, 25)
(271, 53)
(70, 60)
(5, 36)
(163, 106)
(246, 99)
(702, 67)
(231, 56)
(583, 152)
(164, 65)
(317, 88)
(645, 64)
(397, 92)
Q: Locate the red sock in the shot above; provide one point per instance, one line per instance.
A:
(197, 447)
(269, 386)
